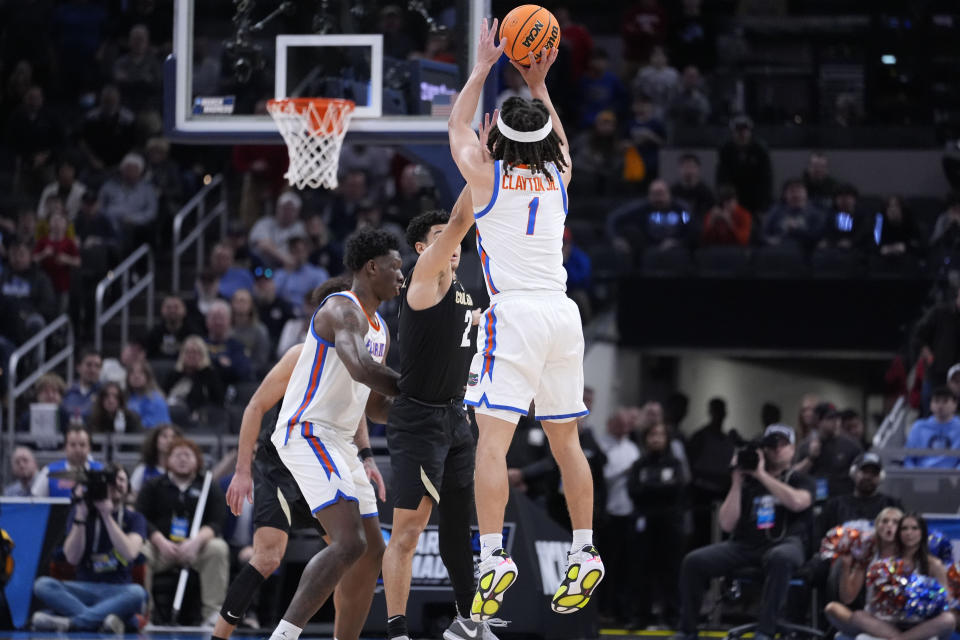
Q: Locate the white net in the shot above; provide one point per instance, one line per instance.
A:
(313, 130)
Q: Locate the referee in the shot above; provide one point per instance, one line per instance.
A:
(430, 441)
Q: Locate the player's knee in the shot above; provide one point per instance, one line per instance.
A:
(350, 548)
(405, 539)
(375, 548)
(266, 561)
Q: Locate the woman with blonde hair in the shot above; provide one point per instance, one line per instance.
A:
(194, 382)
(145, 398)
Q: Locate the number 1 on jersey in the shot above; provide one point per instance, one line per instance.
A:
(532, 218)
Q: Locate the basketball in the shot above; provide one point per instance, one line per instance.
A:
(528, 28)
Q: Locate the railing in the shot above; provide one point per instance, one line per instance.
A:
(16, 389)
(182, 243)
(892, 432)
(121, 273)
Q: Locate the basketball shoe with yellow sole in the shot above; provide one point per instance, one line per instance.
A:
(584, 572)
(497, 573)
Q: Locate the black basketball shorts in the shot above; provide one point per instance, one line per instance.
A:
(431, 450)
(277, 501)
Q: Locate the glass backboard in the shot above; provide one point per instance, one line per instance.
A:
(402, 64)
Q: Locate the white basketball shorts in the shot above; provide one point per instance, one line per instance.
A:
(529, 347)
(327, 469)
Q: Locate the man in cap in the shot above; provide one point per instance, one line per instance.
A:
(864, 503)
(768, 514)
(828, 454)
(744, 163)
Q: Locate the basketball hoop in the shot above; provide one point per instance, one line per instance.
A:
(313, 129)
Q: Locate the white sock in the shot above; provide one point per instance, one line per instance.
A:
(490, 542)
(581, 538)
(285, 631)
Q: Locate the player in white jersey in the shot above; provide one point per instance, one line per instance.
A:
(328, 393)
(530, 346)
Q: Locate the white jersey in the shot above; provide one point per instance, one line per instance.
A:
(520, 231)
(321, 391)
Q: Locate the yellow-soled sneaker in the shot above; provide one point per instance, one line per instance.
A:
(584, 572)
(497, 574)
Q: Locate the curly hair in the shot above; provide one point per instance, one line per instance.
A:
(419, 227)
(526, 115)
(365, 245)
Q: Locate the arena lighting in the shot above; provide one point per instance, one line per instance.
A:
(888, 58)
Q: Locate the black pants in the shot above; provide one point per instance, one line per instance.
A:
(778, 560)
(618, 540)
(660, 551)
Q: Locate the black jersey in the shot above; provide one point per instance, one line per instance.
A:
(436, 346)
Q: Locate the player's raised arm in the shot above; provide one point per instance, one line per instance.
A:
(469, 155)
(269, 393)
(535, 76)
(349, 327)
(435, 259)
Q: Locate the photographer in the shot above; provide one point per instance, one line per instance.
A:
(76, 456)
(103, 540)
(767, 512)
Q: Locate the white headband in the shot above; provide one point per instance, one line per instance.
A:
(524, 136)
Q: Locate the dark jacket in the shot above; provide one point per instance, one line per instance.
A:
(939, 329)
(206, 387)
(749, 170)
(27, 292)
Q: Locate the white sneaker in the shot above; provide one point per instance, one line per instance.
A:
(497, 573)
(43, 621)
(867, 636)
(113, 624)
(584, 572)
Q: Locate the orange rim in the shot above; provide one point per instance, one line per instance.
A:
(320, 107)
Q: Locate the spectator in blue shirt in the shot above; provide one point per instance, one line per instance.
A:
(940, 431)
(227, 354)
(76, 457)
(577, 264)
(302, 277)
(145, 398)
(232, 278)
(600, 89)
(78, 400)
(102, 542)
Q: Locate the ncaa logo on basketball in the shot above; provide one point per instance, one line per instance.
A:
(534, 32)
(473, 379)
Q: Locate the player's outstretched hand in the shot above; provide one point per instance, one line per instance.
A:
(240, 487)
(488, 121)
(373, 475)
(536, 73)
(487, 52)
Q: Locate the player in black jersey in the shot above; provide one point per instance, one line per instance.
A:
(279, 506)
(428, 434)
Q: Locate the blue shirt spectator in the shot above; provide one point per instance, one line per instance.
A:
(600, 90)
(301, 278)
(145, 398)
(78, 400)
(103, 540)
(940, 431)
(232, 278)
(77, 456)
(576, 262)
(227, 354)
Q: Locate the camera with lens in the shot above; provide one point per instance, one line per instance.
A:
(748, 457)
(97, 484)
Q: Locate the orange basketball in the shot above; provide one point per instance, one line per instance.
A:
(528, 28)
